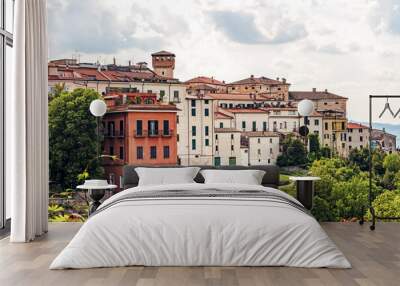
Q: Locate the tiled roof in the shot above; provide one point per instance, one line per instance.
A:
(260, 134)
(94, 74)
(256, 80)
(202, 86)
(353, 125)
(163, 53)
(237, 96)
(313, 95)
(244, 110)
(220, 115)
(140, 107)
(205, 80)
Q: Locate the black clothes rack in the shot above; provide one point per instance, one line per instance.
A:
(371, 208)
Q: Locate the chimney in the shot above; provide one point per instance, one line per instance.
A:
(129, 63)
(326, 90)
(314, 89)
(284, 80)
(277, 78)
(252, 76)
(114, 61)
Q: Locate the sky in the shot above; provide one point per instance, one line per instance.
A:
(351, 48)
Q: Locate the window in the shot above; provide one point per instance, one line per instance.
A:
(361, 138)
(243, 124)
(193, 130)
(162, 94)
(221, 125)
(206, 112)
(217, 161)
(207, 142)
(254, 127)
(258, 140)
(316, 122)
(206, 131)
(193, 111)
(149, 91)
(193, 144)
(177, 119)
(193, 103)
(216, 136)
(326, 126)
(206, 101)
(121, 152)
(259, 151)
(139, 152)
(121, 127)
(270, 140)
(232, 148)
(270, 151)
(264, 126)
(111, 151)
(152, 126)
(360, 130)
(216, 148)
(6, 62)
(232, 161)
(111, 128)
(166, 152)
(176, 96)
(232, 137)
(166, 128)
(139, 127)
(153, 152)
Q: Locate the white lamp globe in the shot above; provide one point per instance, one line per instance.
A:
(98, 108)
(305, 107)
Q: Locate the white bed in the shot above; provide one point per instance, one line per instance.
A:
(201, 231)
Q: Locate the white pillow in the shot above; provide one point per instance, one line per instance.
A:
(248, 177)
(166, 176)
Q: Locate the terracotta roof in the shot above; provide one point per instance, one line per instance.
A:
(220, 115)
(245, 110)
(313, 95)
(353, 125)
(202, 86)
(260, 134)
(163, 53)
(144, 107)
(205, 80)
(256, 80)
(237, 96)
(94, 74)
(226, 130)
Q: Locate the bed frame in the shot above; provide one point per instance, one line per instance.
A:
(270, 179)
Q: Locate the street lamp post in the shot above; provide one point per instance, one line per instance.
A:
(98, 108)
(305, 108)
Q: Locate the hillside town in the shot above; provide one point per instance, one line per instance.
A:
(154, 118)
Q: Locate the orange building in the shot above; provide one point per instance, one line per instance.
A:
(138, 130)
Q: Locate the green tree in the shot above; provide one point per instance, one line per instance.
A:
(294, 153)
(360, 158)
(72, 136)
(391, 163)
(387, 204)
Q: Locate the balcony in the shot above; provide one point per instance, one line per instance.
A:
(167, 133)
(114, 134)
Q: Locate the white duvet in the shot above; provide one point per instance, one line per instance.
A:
(200, 231)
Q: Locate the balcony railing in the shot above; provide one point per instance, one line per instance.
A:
(114, 134)
(167, 133)
(153, 133)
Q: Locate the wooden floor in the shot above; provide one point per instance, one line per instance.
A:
(375, 257)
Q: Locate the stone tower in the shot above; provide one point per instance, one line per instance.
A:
(163, 63)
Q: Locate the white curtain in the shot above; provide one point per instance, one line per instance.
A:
(26, 124)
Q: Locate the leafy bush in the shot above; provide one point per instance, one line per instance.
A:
(387, 204)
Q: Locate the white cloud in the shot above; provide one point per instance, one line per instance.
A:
(350, 47)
